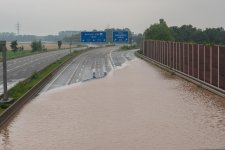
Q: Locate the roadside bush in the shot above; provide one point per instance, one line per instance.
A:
(34, 75)
(36, 46)
(128, 47)
(13, 46)
(4, 106)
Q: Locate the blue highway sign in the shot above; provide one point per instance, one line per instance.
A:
(93, 37)
(120, 36)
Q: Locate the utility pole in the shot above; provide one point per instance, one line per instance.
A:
(70, 45)
(3, 49)
(18, 28)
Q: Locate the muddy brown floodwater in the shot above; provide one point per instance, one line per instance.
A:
(139, 107)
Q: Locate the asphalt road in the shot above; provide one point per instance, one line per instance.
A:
(22, 68)
(93, 64)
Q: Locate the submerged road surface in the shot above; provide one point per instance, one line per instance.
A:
(137, 107)
(93, 64)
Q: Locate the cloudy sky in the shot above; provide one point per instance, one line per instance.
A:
(43, 17)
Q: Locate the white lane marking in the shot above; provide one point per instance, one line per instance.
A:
(75, 70)
(51, 83)
(30, 62)
(37, 57)
(104, 67)
(111, 60)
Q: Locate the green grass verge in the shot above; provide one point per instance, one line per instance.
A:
(24, 86)
(126, 47)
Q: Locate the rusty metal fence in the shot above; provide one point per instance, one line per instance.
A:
(204, 63)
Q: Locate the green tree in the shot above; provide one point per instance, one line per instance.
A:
(158, 31)
(59, 44)
(36, 46)
(215, 35)
(185, 33)
(13, 46)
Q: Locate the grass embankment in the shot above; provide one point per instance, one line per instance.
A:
(24, 86)
(128, 47)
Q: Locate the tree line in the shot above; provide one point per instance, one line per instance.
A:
(35, 46)
(185, 33)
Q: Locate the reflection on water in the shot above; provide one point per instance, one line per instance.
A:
(135, 108)
(5, 138)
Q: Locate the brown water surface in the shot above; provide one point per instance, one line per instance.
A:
(138, 107)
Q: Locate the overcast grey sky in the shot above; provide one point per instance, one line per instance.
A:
(43, 17)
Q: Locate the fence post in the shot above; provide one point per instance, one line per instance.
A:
(204, 63)
(210, 64)
(183, 58)
(170, 56)
(179, 58)
(218, 66)
(176, 54)
(198, 61)
(143, 47)
(167, 47)
(168, 44)
(173, 56)
(4, 70)
(159, 52)
(148, 48)
(188, 59)
(193, 60)
(163, 52)
(160, 48)
(154, 48)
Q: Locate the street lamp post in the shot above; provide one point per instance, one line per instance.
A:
(3, 49)
(71, 46)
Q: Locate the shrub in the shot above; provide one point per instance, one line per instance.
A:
(36, 46)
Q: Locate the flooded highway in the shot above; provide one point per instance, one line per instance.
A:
(137, 107)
